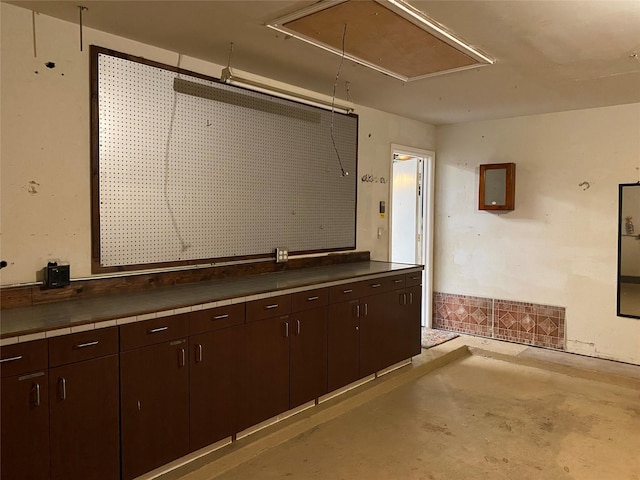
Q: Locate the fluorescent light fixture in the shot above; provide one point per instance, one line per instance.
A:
(403, 10)
(284, 90)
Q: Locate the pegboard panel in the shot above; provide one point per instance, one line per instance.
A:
(193, 169)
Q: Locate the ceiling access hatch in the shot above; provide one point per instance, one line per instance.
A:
(389, 36)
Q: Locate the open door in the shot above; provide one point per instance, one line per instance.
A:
(411, 215)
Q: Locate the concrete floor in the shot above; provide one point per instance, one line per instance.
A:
(468, 409)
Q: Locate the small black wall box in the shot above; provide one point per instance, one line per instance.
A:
(56, 276)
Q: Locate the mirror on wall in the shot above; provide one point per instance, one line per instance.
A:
(497, 186)
(629, 251)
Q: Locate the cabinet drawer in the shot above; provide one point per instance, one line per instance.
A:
(83, 346)
(309, 299)
(347, 291)
(414, 279)
(156, 330)
(384, 284)
(268, 307)
(23, 357)
(216, 318)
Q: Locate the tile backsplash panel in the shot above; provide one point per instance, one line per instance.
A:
(519, 322)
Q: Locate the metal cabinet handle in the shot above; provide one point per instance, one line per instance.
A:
(11, 359)
(398, 281)
(36, 387)
(376, 285)
(181, 358)
(411, 298)
(198, 353)
(358, 311)
(311, 299)
(416, 278)
(220, 317)
(366, 309)
(88, 344)
(157, 330)
(269, 307)
(62, 388)
(298, 327)
(286, 329)
(348, 290)
(403, 298)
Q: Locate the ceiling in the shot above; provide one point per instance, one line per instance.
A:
(550, 55)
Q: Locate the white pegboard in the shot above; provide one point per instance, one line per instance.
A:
(194, 169)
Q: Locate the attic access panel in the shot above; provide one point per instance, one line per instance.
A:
(389, 36)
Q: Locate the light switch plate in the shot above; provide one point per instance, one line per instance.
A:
(282, 255)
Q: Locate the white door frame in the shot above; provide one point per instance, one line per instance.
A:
(428, 186)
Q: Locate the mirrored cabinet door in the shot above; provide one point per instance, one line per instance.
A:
(497, 186)
(629, 251)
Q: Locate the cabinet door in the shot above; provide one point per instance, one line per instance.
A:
(374, 315)
(212, 369)
(413, 325)
(308, 356)
(263, 370)
(343, 345)
(401, 327)
(85, 438)
(154, 403)
(25, 427)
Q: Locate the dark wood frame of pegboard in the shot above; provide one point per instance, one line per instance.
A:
(97, 266)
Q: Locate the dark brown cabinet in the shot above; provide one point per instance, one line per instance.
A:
(372, 325)
(282, 361)
(119, 402)
(401, 329)
(213, 373)
(263, 370)
(343, 346)
(24, 405)
(308, 347)
(154, 393)
(84, 406)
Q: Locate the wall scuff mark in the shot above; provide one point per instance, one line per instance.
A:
(33, 187)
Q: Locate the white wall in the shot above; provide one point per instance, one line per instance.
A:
(45, 174)
(559, 245)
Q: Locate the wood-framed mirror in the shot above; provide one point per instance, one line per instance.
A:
(497, 190)
(629, 251)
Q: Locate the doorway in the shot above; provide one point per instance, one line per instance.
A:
(411, 215)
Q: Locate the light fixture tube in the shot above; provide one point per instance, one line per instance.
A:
(283, 90)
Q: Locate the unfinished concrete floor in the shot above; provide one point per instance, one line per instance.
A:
(484, 414)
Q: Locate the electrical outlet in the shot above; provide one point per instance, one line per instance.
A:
(282, 255)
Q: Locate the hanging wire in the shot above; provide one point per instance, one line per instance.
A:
(81, 8)
(33, 27)
(167, 149)
(347, 88)
(230, 54)
(333, 103)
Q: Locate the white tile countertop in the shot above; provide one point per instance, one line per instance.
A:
(53, 319)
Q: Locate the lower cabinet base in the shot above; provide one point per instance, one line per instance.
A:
(272, 421)
(213, 449)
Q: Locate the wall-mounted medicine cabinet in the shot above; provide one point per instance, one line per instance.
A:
(497, 187)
